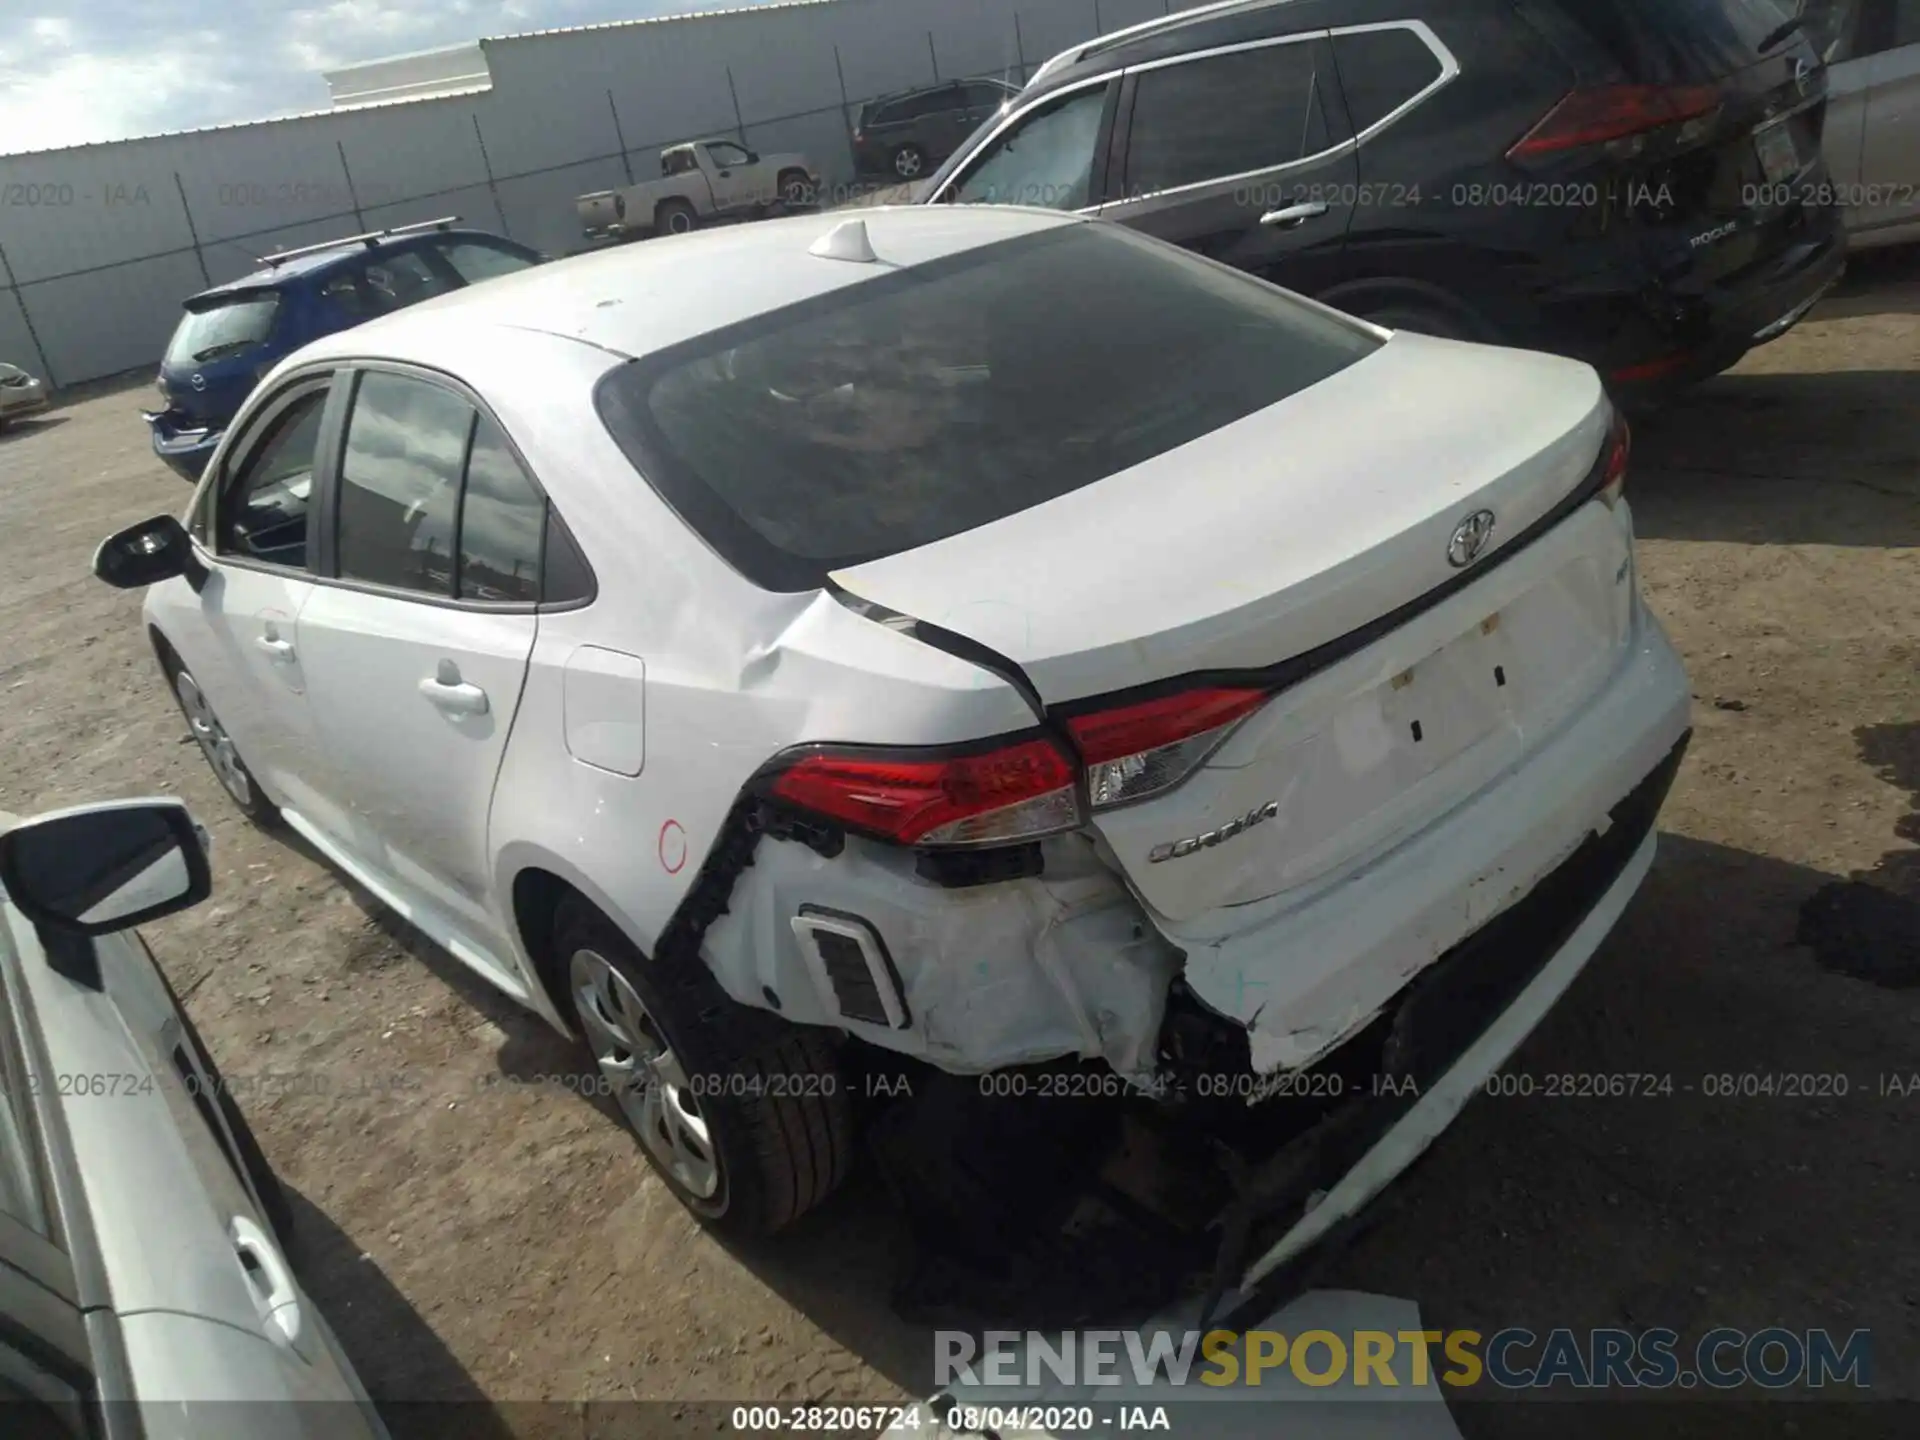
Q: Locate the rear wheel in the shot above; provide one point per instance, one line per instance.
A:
(222, 755)
(675, 217)
(909, 162)
(741, 1114)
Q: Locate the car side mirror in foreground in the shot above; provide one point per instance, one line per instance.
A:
(144, 554)
(108, 867)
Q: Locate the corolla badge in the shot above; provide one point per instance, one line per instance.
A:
(1470, 537)
(199, 382)
(1194, 844)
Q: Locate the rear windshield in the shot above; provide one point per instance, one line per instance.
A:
(1682, 40)
(230, 328)
(932, 400)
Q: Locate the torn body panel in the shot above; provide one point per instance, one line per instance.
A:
(1000, 975)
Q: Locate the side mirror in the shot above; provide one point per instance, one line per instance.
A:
(753, 157)
(144, 554)
(108, 867)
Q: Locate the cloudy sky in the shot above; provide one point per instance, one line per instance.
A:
(73, 71)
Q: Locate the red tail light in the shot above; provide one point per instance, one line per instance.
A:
(1613, 112)
(1017, 791)
(1619, 453)
(1141, 750)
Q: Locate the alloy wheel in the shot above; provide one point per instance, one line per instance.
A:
(215, 743)
(907, 163)
(645, 1076)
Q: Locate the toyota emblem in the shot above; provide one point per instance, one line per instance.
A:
(1470, 537)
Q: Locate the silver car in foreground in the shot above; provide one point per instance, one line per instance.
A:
(144, 1288)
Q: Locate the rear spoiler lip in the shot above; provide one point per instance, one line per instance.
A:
(215, 299)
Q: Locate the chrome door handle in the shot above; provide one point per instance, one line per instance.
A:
(450, 694)
(280, 651)
(1293, 215)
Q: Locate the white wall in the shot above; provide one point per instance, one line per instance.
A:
(104, 241)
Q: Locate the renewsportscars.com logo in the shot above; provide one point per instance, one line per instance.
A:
(1511, 1359)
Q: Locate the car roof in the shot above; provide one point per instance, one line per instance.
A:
(300, 267)
(633, 300)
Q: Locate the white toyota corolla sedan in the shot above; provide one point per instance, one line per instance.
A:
(984, 634)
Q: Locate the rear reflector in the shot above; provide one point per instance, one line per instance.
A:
(1017, 791)
(1602, 113)
(1140, 750)
(851, 966)
(1654, 369)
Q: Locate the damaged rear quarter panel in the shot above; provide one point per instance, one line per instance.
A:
(1004, 974)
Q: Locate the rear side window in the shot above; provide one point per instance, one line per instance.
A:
(343, 293)
(983, 97)
(401, 278)
(943, 397)
(1381, 70)
(425, 477)
(927, 102)
(502, 519)
(228, 327)
(1230, 115)
(400, 483)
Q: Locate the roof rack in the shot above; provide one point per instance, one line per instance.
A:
(1075, 53)
(370, 239)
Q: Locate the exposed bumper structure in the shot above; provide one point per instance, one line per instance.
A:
(1462, 1020)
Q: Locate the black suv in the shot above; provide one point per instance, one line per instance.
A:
(905, 134)
(1635, 183)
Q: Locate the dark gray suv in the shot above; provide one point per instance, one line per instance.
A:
(905, 135)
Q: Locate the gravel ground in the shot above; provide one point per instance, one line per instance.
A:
(476, 1231)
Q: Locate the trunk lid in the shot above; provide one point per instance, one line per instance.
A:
(1287, 531)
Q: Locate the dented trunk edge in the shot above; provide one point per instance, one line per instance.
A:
(1304, 976)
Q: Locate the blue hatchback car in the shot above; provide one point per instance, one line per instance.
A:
(233, 334)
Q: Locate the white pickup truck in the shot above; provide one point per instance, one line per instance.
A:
(700, 182)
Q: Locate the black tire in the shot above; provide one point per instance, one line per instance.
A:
(796, 189)
(779, 1120)
(909, 163)
(242, 789)
(675, 217)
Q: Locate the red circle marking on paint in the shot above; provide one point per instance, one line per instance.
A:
(677, 844)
